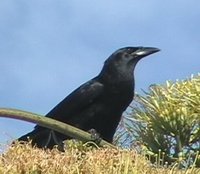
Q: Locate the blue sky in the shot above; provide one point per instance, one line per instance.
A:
(49, 48)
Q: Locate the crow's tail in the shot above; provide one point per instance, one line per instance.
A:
(44, 138)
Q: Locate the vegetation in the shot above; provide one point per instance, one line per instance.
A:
(79, 159)
(166, 121)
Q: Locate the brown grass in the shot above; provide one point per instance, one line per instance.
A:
(24, 159)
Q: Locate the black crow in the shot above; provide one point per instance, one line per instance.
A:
(97, 104)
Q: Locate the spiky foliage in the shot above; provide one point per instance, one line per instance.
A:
(78, 159)
(167, 119)
(24, 159)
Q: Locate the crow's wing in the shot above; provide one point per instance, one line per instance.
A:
(73, 104)
(78, 100)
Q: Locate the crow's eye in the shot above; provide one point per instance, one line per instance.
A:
(129, 50)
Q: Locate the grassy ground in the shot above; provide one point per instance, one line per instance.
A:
(23, 159)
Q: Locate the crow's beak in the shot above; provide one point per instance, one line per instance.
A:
(145, 51)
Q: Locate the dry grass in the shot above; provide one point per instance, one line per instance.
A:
(23, 159)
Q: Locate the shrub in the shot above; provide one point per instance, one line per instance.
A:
(167, 120)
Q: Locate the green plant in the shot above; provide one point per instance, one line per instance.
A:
(167, 119)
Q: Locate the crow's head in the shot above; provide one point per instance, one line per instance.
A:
(131, 55)
(124, 59)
